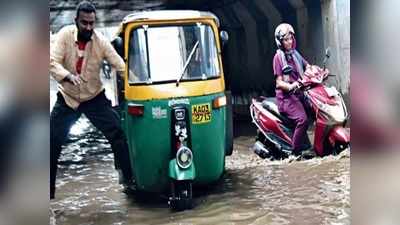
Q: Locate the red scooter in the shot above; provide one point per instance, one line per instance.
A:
(275, 131)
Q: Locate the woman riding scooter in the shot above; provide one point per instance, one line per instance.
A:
(288, 67)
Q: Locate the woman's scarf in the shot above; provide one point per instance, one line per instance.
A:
(297, 58)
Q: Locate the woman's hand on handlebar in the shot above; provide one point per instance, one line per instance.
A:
(294, 86)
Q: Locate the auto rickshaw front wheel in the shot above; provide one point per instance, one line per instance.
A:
(181, 195)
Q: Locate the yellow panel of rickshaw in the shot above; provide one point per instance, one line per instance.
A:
(170, 90)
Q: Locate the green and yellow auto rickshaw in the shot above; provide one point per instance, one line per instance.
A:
(175, 111)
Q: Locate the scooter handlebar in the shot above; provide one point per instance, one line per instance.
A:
(297, 88)
(312, 75)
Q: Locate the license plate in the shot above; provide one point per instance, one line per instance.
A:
(201, 113)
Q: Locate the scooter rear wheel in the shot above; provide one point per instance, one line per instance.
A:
(275, 153)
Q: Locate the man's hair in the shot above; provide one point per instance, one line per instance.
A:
(86, 7)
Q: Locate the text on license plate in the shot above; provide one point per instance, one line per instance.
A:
(201, 113)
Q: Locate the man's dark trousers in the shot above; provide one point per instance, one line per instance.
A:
(100, 113)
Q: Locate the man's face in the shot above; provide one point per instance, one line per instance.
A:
(85, 23)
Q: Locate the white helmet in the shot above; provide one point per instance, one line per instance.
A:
(281, 31)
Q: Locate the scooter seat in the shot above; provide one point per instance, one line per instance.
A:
(270, 105)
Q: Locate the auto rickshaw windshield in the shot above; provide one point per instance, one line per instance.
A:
(165, 53)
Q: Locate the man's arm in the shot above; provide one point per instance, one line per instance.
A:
(113, 58)
(57, 52)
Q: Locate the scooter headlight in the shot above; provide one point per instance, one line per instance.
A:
(184, 157)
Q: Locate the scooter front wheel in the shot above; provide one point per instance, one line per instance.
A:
(339, 147)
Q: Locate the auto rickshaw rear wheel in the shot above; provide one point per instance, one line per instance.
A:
(181, 195)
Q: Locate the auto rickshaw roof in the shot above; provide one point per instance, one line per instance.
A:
(168, 15)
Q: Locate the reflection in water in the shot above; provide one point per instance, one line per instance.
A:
(79, 127)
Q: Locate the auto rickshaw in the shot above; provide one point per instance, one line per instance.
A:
(175, 111)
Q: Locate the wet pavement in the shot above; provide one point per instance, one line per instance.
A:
(252, 190)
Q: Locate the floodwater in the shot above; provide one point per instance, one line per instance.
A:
(252, 190)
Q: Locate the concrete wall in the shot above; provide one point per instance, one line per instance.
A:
(322, 24)
(336, 27)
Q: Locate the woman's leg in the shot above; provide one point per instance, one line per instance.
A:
(293, 108)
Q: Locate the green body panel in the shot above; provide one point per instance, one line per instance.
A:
(177, 173)
(149, 140)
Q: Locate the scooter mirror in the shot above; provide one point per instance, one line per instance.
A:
(327, 55)
(328, 52)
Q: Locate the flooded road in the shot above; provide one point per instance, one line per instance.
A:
(252, 190)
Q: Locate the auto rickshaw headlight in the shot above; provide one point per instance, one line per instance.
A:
(219, 102)
(184, 157)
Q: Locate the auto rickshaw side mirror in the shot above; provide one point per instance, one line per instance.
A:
(118, 45)
(224, 37)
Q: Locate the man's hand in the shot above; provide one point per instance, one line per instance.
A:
(76, 80)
